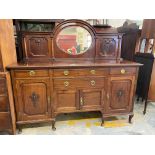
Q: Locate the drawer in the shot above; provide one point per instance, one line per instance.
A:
(4, 103)
(78, 83)
(5, 121)
(122, 70)
(3, 89)
(79, 72)
(30, 73)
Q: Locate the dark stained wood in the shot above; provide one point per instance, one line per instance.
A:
(34, 101)
(58, 53)
(108, 47)
(120, 94)
(36, 46)
(129, 42)
(4, 103)
(7, 115)
(5, 121)
(151, 94)
(92, 98)
(31, 73)
(148, 30)
(7, 57)
(71, 100)
(97, 80)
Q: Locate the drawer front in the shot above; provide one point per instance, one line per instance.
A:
(78, 83)
(30, 73)
(122, 70)
(3, 88)
(4, 103)
(5, 121)
(80, 72)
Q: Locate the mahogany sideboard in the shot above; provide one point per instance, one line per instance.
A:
(74, 68)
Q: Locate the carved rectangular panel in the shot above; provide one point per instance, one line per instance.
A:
(120, 94)
(91, 98)
(37, 46)
(33, 99)
(108, 47)
(66, 100)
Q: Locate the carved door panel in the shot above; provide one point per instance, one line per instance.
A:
(37, 46)
(33, 97)
(66, 100)
(120, 94)
(108, 47)
(91, 98)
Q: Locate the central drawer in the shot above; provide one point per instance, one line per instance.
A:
(80, 72)
(78, 83)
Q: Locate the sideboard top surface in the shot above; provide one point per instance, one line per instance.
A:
(73, 64)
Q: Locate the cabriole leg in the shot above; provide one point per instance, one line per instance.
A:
(53, 125)
(19, 130)
(130, 118)
(102, 123)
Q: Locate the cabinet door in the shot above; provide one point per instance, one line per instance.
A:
(33, 96)
(66, 100)
(37, 46)
(120, 94)
(91, 99)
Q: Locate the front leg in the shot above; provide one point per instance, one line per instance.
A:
(53, 125)
(130, 118)
(102, 123)
(19, 130)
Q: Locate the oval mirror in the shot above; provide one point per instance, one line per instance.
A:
(74, 40)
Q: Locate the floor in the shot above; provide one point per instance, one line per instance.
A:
(89, 124)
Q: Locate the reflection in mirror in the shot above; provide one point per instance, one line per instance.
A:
(74, 40)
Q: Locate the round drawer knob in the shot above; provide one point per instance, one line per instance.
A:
(92, 71)
(92, 83)
(66, 83)
(32, 73)
(66, 72)
(123, 71)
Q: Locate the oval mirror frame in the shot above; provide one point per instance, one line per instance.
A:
(74, 40)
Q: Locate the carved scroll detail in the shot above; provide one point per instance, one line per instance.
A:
(34, 98)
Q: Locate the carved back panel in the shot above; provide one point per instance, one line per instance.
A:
(37, 46)
(108, 47)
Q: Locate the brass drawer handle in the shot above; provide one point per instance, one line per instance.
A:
(66, 83)
(92, 71)
(123, 71)
(32, 73)
(66, 72)
(92, 83)
(81, 101)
